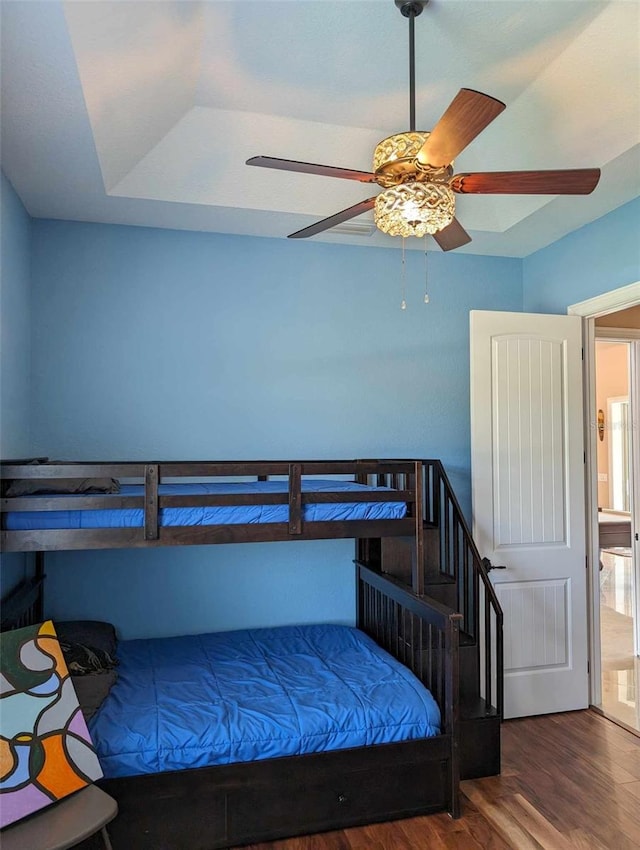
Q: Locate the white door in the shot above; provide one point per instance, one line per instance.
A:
(528, 500)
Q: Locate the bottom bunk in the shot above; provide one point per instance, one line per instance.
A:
(226, 739)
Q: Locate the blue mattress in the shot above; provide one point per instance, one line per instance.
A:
(215, 515)
(240, 696)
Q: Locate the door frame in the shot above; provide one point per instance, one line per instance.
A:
(590, 310)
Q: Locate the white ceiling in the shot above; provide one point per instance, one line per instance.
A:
(145, 112)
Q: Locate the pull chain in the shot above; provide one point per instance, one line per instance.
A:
(403, 303)
(426, 273)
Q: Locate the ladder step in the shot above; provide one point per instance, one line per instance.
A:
(445, 592)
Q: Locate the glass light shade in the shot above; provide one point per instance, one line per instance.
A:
(401, 146)
(394, 158)
(413, 209)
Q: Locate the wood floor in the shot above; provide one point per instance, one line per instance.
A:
(569, 782)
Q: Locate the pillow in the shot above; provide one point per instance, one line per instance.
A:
(29, 486)
(93, 690)
(93, 633)
(83, 660)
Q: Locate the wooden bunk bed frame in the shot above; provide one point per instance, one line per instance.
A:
(406, 477)
(235, 804)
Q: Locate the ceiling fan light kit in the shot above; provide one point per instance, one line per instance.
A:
(415, 168)
(416, 200)
(414, 209)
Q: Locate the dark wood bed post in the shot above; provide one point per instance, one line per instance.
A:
(417, 578)
(452, 707)
(151, 476)
(39, 576)
(362, 544)
(295, 498)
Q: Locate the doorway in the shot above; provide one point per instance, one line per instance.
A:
(613, 479)
(619, 664)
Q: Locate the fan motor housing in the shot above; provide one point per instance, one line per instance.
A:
(394, 161)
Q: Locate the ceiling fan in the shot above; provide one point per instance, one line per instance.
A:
(415, 168)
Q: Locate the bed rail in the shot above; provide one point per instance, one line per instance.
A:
(153, 474)
(424, 636)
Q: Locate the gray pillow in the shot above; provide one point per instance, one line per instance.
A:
(92, 633)
(93, 690)
(29, 486)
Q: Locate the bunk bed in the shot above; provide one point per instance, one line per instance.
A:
(53, 506)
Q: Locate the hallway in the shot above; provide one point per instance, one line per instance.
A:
(620, 667)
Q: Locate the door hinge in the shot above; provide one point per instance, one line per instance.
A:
(588, 667)
(584, 457)
(582, 353)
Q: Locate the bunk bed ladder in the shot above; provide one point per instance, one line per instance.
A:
(456, 564)
(442, 563)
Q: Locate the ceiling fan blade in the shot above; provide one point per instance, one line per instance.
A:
(338, 218)
(452, 236)
(577, 181)
(467, 115)
(311, 168)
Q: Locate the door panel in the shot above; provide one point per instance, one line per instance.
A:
(527, 447)
(528, 500)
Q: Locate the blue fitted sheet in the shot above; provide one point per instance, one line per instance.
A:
(215, 515)
(242, 696)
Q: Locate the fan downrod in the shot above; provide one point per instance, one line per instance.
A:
(411, 7)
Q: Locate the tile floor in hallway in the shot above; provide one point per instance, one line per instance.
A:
(620, 668)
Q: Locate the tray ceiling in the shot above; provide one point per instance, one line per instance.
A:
(145, 112)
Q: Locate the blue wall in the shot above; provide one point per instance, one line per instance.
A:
(15, 345)
(176, 345)
(15, 325)
(601, 256)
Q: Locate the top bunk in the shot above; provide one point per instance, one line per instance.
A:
(52, 505)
